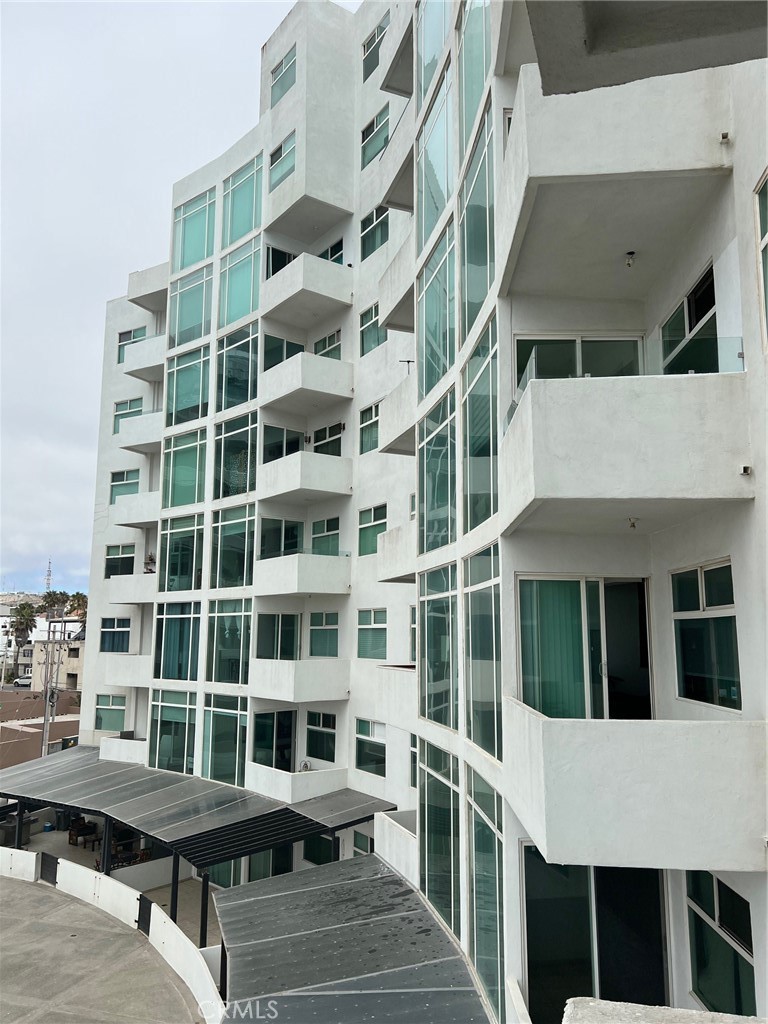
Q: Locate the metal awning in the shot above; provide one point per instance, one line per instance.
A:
(349, 942)
(203, 821)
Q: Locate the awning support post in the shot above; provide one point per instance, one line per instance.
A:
(204, 911)
(19, 824)
(106, 846)
(174, 887)
(223, 972)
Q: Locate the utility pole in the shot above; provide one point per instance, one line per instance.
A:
(53, 655)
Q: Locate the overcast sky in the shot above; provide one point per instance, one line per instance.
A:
(104, 106)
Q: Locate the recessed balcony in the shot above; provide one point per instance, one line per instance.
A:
(149, 288)
(307, 291)
(397, 418)
(135, 588)
(142, 434)
(396, 289)
(305, 384)
(136, 510)
(145, 359)
(397, 553)
(304, 477)
(299, 682)
(292, 787)
(639, 793)
(603, 455)
(302, 574)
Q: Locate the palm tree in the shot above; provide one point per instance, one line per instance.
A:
(23, 622)
(53, 599)
(78, 604)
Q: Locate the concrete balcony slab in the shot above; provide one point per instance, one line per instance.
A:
(397, 302)
(145, 359)
(302, 574)
(142, 434)
(397, 418)
(308, 290)
(397, 553)
(304, 477)
(292, 787)
(149, 288)
(137, 510)
(299, 682)
(126, 669)
(136, 588)
(305, 384)
(587, 455)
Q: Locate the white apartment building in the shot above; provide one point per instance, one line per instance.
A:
(433, 464)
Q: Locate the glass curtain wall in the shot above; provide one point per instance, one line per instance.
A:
(181, 553)
(232, 546)
(433, 19)
(482, 649)
(184, 469)
(242, 202)
(437, 475)
(437, 313)
(237, 367)
(476, 210)
(229, 641)
(434, 161)
(474, 55)
(239, 282)
(235, 456)
(186, 393)
(190, 307)
(193, 230)
(225, 725)
(172, 731)
(486, 887)
(479, 385)
(438, 665)
(177, 636)
(439, 845)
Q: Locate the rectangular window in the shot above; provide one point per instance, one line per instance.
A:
(374, 231)
(283, 76)
(375, 136)
(320, 850)
(361, 844)
(372, 522)
(689, 337)
(369, 428)
(476, 206)
(321, 736)
(115, 636)
(438, 665)
(474, 62)
(325, 536)
(482, 649)
(578, 356)
(172, 731)
(277, 350)
(184, 469)
(437, 475)
(323, 634)
(193, 230)
(126, 338)
(370, 746)
(119, 560)
(239, 282)
(190, 307)
(329, 347)
(334, 253)
(280, 537)
(486, 887)
(273, 739)
(229, 641)
(762, 222)
(436, 290)
(480, 442)
(278, 637)
(186, 387)
(234, 469)
(282, 161)
(434, 163)
(110, 712)
(371, 47)
(232, 546)
(280, 442)
(224, 738)
(123, 481)
(327, 440)
(439, 849)
(177, 635)
(433, 20)
(371, 333)
(237, 367)
(372, 633)
(720, 936)
(413, 633)
(125, 411)
(706, 645)
(181, 553)
(242, 202)
(277, 260)
(414, 761)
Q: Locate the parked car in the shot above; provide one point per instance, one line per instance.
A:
(23, 681)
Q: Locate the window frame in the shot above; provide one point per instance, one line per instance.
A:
(369, 427)
(374, 225)
(120, 628)
(125, 482)
(253, 170)
(376, 522)
(375, 736)
(377, 621)
(377, 127)
(111, 703)
(126, 409)
(121, 555)
(371, 318)
(286, 151)
(372, 46)
(282, 68)
(323, 727)
(328, 347)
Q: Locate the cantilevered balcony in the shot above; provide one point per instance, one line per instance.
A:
(149, 288)
(291, 787)
(394, 167)
(397, 418)
(304, 477)
(305, 384)
(639, 793)
(397, 552)
(145, 359)
(142, 434)
(137, 510)
(396, 288)
(302, 574)
(306, 291)
(299, 682)
(125, 669)
(135, 588)
(396, 55)
(598, 455)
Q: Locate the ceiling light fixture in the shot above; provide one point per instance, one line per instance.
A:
(629, 259)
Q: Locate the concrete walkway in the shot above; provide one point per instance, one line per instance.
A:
(64, 962)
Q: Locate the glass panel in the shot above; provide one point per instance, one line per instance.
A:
(610, 358)
(440, 850)
(734, 916)
(474, 61)
(432, 23)
(437, 328)
(699, 354)
(552, 647)
(673, 331)
(595, 649)
(371, 757)
(722, 978)
(701, 889)
(685, 591)
(555, 358)
(483, 668)
(480, 448)
(708, 661)
(487, 901)
(718, 586)
(434, 165)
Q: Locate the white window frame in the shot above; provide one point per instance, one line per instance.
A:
(369, 418)
(762, 255)
(286, 148)
(376, 127)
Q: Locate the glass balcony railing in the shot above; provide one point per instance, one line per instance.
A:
(264, 555)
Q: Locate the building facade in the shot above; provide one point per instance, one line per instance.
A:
(432, 464)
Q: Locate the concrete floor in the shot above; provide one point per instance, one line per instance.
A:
(57, 844)
(64, 962)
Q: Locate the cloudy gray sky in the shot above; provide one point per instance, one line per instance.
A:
(104, 106)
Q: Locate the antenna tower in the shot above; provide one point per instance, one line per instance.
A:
(48, 578)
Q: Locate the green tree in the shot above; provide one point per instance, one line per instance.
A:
(78, 604)
(23, 622)
(53, 599)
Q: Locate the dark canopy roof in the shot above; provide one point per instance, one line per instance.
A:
(205, 822)
(349, 942)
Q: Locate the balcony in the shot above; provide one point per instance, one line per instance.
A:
(299, 682)
(305, 384)
(112, 748)
(306, 291)
(397, 844)
(397, 418)
(145, 359)
(598, 455)
(394, 168)
(136, 588)
(304, 477)
(142, 434)
(397, 553)
(149, 288)
(396, 289)
(397, 54)
(292, 787)
(640, 793)
(125, 669)
(136, 510)
(303, 574)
